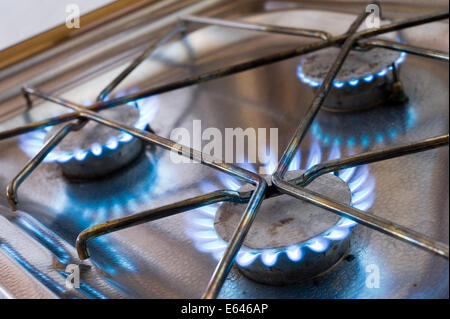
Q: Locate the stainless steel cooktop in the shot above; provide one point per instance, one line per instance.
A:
(163, 258)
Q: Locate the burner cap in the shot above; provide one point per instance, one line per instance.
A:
(97, 150)
(366, 79)
(284, 222)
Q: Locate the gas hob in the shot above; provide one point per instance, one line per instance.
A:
(388, 98)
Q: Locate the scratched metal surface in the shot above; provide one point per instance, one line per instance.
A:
(159, 260)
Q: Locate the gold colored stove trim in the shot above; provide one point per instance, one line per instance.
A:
(61, 33)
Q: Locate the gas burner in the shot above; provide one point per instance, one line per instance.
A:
(96, 150)
(290, 241)
(283, 229)
(367, 79)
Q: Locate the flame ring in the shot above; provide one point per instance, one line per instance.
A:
(362, 185)
(33, 142)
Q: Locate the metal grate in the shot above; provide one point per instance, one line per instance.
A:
(351, 40)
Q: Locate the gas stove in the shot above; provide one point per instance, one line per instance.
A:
(266, 149)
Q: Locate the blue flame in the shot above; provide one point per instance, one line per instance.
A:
(246, 258)
(200, 225)
(318, 244)
(269, 167)
(368, 78)
(335, 152)
(295, 161)
(269, 257)
(353, 82)
(31, 143)
(228, 182)
(294, 253)
(315, 155)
